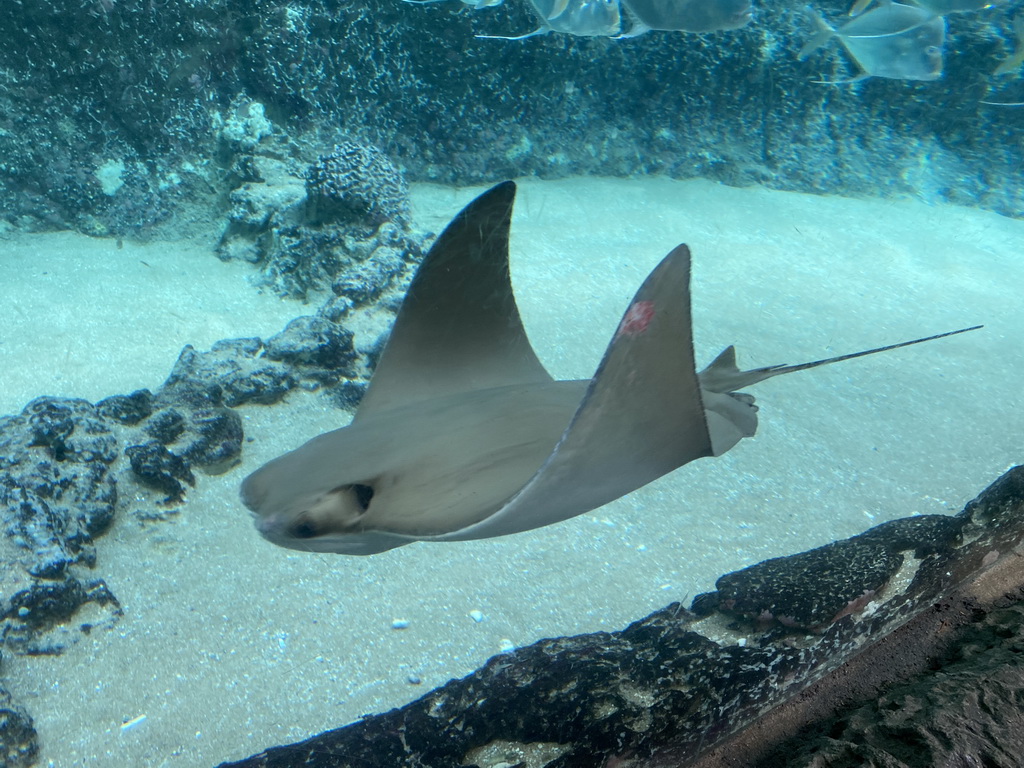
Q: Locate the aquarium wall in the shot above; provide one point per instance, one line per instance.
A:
(139, 110)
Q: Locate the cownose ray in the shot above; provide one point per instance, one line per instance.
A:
(463, 434)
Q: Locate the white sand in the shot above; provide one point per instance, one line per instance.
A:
(84, 318)
(230, 645)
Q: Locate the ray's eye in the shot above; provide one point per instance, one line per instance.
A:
(303, 528)
(363, 494)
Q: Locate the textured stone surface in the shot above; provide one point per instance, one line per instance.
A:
(158, 468)
(313, 343)
(162, 97)
(814, 589)
(667, 689)
(967, 711)
(341, 223)
(356, 182)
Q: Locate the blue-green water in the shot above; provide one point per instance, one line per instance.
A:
(142, 140)
(229, 644)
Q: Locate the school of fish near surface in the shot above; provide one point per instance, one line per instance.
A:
(894, 40)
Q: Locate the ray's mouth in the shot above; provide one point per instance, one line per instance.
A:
(266, 525)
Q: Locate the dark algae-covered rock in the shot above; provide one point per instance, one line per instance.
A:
(155, 466)
(313, 343)
(19, 747)
(57, 493)
(814, 589)
(356, 181)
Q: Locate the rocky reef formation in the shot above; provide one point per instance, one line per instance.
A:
(64, 465)
(341, 222)
(68, 466)
(135, 118)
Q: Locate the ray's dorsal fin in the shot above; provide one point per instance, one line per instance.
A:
(459, 328)
(641, 417)
(723, 376)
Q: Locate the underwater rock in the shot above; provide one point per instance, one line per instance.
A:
(35, 621)
(214, 439)
(232, 372)
(676, 687)
(165, 426)
(106, 88)
(270, 197)
(366, 281)
(56, 488)
(356, 182)
(315, 345)
(61, 458)
(305, 228)
(127, 409)
(158, 468)
(816, 588)
(967, 712)
(19, 744)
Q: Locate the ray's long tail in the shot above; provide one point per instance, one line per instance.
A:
(724, 376)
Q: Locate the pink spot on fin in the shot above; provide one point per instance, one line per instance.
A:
(637, 318)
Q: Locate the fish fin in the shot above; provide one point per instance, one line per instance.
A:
(1014, 60)
(459, 329)
(639, 28)
(856, 9)
(732, 415)
(558, 9)
(823, 33)
(642, 415)
(1007, 65)
(539, 31)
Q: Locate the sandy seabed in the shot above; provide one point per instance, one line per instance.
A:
(229, 644)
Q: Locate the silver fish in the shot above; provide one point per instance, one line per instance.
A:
(901, 42)
(688, 15)
(476, 5)
(1013, 61)
(585, 18)
(938, 7)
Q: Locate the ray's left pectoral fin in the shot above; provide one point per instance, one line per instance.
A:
(642, 415)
